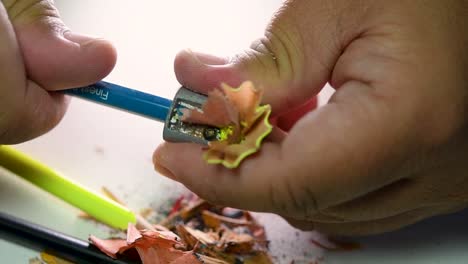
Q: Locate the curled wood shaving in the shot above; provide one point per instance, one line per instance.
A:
(153, 247)
(238, 113)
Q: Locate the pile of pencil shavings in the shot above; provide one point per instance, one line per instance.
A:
(194, 232)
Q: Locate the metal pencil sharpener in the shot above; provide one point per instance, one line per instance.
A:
(175, 130)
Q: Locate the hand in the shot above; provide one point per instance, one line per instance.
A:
(389, 149)
(39, 55)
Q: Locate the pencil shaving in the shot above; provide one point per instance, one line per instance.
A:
(227, 236)
(243, 121)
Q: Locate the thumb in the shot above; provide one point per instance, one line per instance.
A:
(56, 58)
(290, 67)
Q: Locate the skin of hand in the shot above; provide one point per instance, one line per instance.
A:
(389, 149)
(39, 55)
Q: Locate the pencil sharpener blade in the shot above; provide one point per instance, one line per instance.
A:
(177, 131)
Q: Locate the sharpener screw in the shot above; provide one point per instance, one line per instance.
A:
(210, 134)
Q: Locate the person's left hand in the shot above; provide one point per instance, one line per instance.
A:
(40, 55)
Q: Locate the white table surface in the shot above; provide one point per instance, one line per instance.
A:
(104, 147)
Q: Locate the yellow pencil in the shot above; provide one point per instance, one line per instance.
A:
(96, 205)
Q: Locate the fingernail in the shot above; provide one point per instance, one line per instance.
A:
(206, 59)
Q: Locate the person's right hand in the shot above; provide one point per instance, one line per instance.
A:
(39, 55)
(391, 146)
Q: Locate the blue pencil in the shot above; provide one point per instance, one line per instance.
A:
(154, 107)
(123, 98)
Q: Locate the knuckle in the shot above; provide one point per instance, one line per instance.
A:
(278, 52)
(303, 225)
(212, 194)
(293, 201)
(284, 51)
(26, 11)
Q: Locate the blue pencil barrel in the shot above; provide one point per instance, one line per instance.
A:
(123, 98)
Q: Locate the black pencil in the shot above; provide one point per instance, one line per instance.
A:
(55, 243)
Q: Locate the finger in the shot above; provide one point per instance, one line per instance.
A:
(362, 228)
(423, 189)
(26, 109)
(244, 187)
(56, 58)
(394, 199)
(288, 67)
